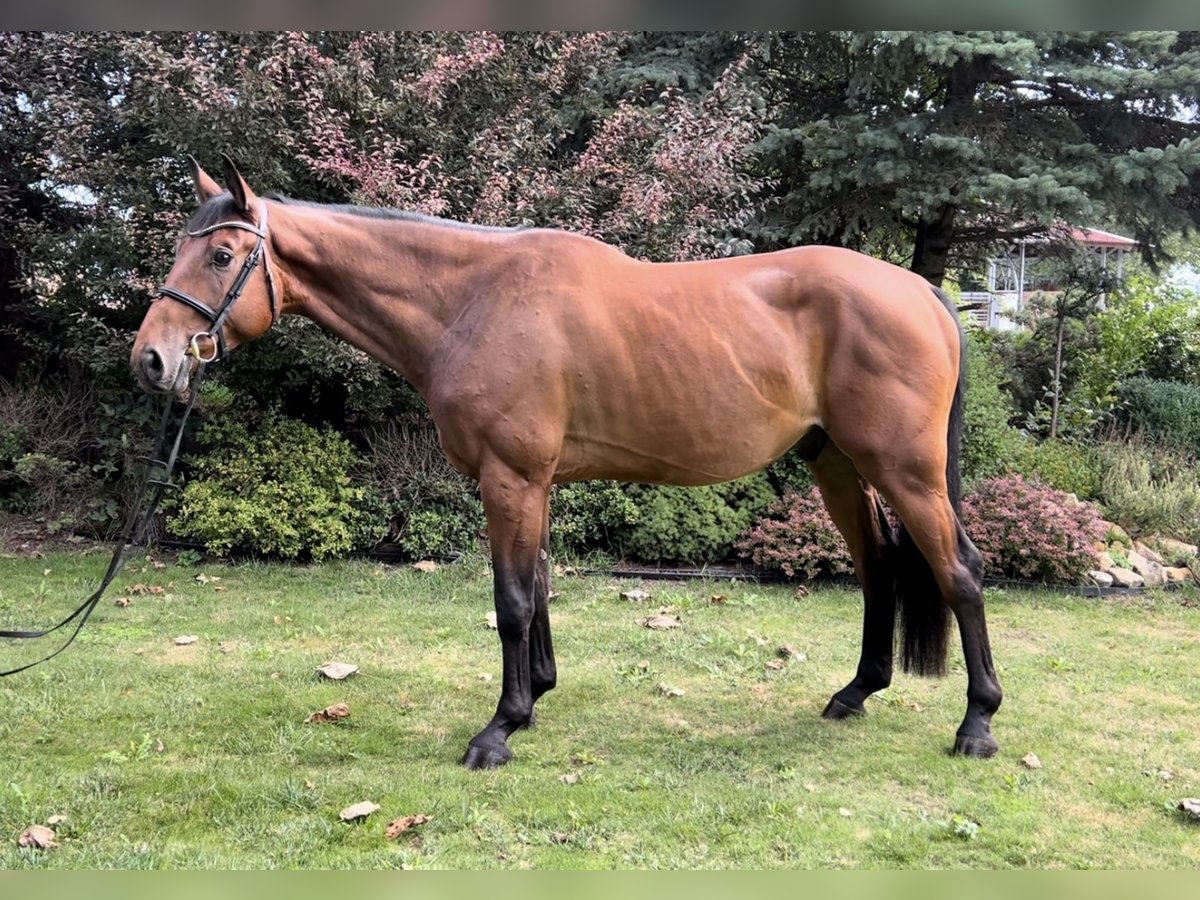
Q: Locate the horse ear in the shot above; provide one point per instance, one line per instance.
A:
(242, 195)
(206, 188)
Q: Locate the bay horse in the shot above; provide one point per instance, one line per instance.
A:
(548, 357)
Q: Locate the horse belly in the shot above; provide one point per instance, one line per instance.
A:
(688, 426)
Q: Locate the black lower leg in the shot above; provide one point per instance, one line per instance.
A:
(984, 695)
(514, 614)
(874, 671)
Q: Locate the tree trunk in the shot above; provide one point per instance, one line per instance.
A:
(934, 239)
(1056, 384)
(935, 231)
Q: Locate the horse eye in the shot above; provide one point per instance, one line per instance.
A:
(222, 258)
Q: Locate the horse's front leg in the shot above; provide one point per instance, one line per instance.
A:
(515, 507)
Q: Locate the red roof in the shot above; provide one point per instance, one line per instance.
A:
(1094, 237)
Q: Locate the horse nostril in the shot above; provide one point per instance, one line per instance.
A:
(152, 364)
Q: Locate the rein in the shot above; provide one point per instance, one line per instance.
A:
(138, 522)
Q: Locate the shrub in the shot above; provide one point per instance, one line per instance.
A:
(275, 486)
(589, 514)
(991, 446)
(1168, 410)
(53, 461)
(1064, 465)
(1149, 487)
(432, 509)
(694, 524)
(1031, 531)
(797, 537)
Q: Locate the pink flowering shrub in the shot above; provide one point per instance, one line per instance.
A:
(1030, 531)
(797, 537)
(1024, 530)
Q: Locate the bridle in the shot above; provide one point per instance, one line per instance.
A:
(157, 479)
(217, 317)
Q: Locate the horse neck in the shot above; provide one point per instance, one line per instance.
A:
(390, 287)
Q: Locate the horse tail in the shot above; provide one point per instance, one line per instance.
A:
(924, 615)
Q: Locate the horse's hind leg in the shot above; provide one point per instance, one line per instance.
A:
(855, 510)
(917, 492)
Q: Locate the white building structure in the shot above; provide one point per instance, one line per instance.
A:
(1022, 271)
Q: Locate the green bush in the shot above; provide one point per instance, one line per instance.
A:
(1167, 410)
(587, 515)
(432, 509)
(1063, 465)
(275, 486)
(1147, 487)
(693, 525)
(991, 445)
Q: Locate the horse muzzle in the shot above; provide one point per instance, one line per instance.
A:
(162, 371)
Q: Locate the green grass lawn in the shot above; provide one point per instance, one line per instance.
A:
(198, 756)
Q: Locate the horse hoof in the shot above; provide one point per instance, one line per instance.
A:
(836, 709)
(976, 746)
(477, 757)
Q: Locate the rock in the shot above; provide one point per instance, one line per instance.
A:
(1125, 578)
(1177, 574)
(1151, 572)
(1153, 555)
(635, 596)
(1176, 552)
(1105, 561)
(1116, 533)
(1101, 578)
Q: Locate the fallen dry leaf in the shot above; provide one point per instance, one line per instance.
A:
(329, 714)
(775, 664)
(220, 587)
(184, 639)
(484, 676)
(226, 646)
(842, 811)
(489, 621)
(635, 596)
(801, 592)
(661, 622)
(718, 599)
(358, 811)
(56, 820)
(159, 746)
(789, 651)
(397, 827)
(337, 671)
(1190, 806)
(560, 571)
(559, 837)
(569, 778)
(1031, 761)
(426, 565)
(123, 602)
(668, 691)
(140, 589)
(551, 596)
(39, 837)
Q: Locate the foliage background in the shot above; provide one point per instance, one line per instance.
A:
(927, 148)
